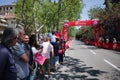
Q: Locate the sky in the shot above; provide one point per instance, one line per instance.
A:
(90, 4)
(6, 2)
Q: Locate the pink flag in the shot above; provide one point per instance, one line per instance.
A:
(39, 58)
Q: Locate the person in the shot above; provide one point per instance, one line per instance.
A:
(58, 34)
(56, 54)
(21, 56)
(8, 70)
(49, 34)
(47, 51)
(114, 40)
(53, 37)
(34, 46)
(35, 49)
(62, 53)
(31, 61)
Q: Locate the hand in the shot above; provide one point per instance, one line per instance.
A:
(27, 52)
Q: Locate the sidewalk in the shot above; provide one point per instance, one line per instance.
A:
(70, 70)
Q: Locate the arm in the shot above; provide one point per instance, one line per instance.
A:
(31, 67)
(52, 51)
(19, 52)
(24, 57)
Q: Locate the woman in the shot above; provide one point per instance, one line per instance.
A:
(61, 51)
(35, 49)
(7, 65)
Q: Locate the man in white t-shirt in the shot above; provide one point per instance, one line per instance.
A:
(47, 50)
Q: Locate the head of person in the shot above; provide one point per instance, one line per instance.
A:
(62, 42)
(53, 32)
(9, 37)
(26, 39)
(21, 34)
(46, 39)
(32, 40)
(57, 40)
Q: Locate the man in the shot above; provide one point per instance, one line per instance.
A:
(47, 49)
(8, 70)
(31, 62)
(21, 56)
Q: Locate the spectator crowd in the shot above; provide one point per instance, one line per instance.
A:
(22, 57)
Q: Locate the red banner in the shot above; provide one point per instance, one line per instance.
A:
(65, 32)
(82, 23)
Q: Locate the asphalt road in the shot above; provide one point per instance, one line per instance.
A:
(85, 62)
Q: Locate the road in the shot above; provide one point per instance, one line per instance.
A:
(85, 62)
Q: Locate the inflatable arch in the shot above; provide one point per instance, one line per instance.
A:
(88, 23)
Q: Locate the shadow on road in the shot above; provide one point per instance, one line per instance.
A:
(77, 70)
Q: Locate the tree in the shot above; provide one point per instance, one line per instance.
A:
(24, 12)
(50, 13)
(95, 12)
(109, 19)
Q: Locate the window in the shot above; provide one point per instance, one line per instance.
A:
(6, 8)
(11, 7)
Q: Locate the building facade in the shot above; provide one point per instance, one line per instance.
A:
(7, 16)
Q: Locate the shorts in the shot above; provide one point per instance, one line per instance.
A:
(46, 65)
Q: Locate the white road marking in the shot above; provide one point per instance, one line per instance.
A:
(112, 64)
(92, 52)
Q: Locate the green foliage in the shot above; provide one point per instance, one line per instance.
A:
(71, 32)
(86, 32)
(24, 14)
(95, 12)
(49, 13)
(109, 18)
